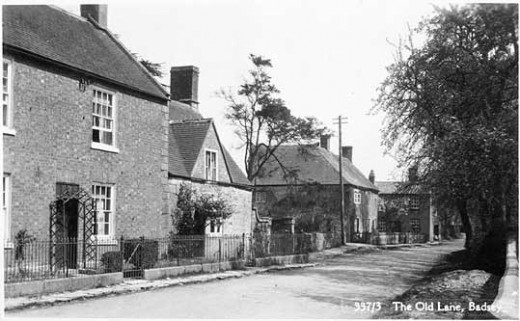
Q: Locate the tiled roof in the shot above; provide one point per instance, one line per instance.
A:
(188, 136)
(52, 34)
(186, 140)
(312, 164)
(180, 111)
(393, 187)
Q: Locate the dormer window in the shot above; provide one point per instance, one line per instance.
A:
(211, 165)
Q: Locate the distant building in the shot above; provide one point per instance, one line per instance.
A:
(300, 186)
(407, 207)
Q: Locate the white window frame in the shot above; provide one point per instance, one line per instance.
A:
(414, 202)
(113, 118)
(6, 208)
(8, 128)
(357, 197)
(211, 151)
(215, 228)
(112, 210)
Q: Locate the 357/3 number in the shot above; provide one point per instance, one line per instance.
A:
(367, 306)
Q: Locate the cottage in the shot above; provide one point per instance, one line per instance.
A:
(299, 189)
(85, 130)
(406, 211)
(197, 156)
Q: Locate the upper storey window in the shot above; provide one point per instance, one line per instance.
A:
(103, 120)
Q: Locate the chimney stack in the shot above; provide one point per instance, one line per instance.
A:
(184, 85)
(325, 141)
(98, 12)
(412, 174)
(347, 152)
(372, 176)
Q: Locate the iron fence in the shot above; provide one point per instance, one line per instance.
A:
(40, 260)
(64, 258)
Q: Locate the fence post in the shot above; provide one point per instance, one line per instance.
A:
(243, 246)
(141, 255)
(122, 250)
(219, 251)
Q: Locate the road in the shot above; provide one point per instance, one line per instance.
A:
(330, 290)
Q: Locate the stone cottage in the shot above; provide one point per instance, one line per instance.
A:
(406, 210)
(83, 123)
(299, 189)
(197, 156)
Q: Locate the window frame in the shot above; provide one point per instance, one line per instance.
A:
(415, 225)
(7, 207)
(382, 227)
(100, 145)
(357, 196)
(414, 202)
(260, 197)
(215, 152)
(111, 222)
(212, 224)
(8, 128)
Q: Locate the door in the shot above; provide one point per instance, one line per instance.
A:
(68, 207)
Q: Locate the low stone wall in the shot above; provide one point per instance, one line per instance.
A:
(282, 260)
(167, 272)
(61, 285)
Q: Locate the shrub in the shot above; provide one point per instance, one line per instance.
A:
(112, 261)
(141, 253)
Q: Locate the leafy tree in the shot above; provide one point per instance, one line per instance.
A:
(452, 109)
(195, 211)
(154, 68)
(263, 121)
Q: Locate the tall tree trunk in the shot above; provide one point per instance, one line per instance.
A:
(466, 223)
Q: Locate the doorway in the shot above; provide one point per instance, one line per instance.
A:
(67, 209)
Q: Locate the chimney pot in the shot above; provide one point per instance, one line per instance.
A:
(347, 152)
(98, 12)
(372, 176)
(184, 85)
(325, 141)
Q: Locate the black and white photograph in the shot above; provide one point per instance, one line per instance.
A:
(259, 159)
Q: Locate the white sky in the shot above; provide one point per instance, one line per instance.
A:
(329, 56)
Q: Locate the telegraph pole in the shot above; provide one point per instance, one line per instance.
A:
(342, 189)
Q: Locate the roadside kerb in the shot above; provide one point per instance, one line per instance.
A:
(138, 286)
(507, 298)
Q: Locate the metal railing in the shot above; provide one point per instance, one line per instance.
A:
(38, 260)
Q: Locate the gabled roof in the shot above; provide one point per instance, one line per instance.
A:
(186, 140)
(311, 164)
(395, 187)
(54, 35)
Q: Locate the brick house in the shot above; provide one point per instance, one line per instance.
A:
(302, 187)
(197, 156)
(406, 208)
(80, 114)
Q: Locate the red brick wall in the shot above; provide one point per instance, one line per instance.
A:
(52, 119)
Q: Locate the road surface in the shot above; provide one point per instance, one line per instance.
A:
(330, 290)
